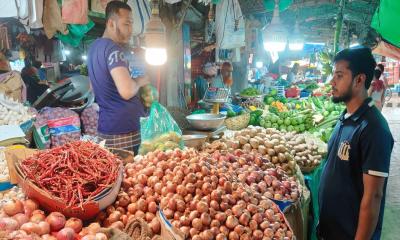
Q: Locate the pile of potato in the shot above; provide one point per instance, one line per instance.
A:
(271, 143)
(308, 151)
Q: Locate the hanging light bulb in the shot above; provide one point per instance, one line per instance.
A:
(296, 42)
(156, 52)
(275, 34)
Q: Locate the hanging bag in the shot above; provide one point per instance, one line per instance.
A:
(229, 24)
(75, 11)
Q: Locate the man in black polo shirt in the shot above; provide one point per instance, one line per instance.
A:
(353, 183)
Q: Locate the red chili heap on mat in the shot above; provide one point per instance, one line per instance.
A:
(75, 172)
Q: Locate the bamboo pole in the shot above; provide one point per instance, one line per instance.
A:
(339, 26)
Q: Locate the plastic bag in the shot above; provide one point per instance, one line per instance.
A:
(75, 11)
(159, 131)
(148, 95)
(229, 24)
(55, 127)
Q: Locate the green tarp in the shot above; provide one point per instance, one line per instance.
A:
(312, 181)
(283, 4)
(386, 20)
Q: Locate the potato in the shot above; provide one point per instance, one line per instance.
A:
(247, 147)
(274, 160)
(271, 152)
(281, 157)
(254, 143)
(243, 140)
(268, 144)
(262, 149)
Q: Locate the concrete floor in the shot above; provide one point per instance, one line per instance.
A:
(391, 229)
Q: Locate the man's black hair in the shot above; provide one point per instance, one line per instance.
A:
(381, 67)
(360, 61)
(377, 73)
(113, 8)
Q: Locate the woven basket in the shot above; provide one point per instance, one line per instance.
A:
(238, 122)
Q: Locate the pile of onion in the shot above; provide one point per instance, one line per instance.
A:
(24, 220)
(202, 195)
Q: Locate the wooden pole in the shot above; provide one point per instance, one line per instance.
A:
(339, 25)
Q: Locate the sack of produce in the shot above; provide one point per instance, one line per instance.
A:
(55, 127)
(89, 118)
(159, 131)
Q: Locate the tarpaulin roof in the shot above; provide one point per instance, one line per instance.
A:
(386, 21)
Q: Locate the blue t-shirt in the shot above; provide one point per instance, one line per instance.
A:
(360, 144)
(116, 115)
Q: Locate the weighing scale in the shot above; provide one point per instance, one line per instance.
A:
(216, 96)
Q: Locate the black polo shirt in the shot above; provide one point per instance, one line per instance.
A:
(360, 143)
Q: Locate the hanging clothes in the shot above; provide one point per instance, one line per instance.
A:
(52, 21)
(75, 11)
(141, 12)
(229, 24)
(28, 12)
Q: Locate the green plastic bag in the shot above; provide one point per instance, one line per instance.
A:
(159, 131)
(76, 32)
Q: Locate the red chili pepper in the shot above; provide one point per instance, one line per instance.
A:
(75, 172)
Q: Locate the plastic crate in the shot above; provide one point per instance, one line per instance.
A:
(304, 94)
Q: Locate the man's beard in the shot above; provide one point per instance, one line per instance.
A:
(347, 96)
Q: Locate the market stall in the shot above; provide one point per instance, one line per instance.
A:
(231, 165)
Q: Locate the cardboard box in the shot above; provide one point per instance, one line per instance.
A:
(49, 203)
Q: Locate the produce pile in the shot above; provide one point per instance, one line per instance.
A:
(252, 104)
(4, 174)
(170, 140)
(250, 92)
(307, 150)
(13, 113)
(24, 220)
(297, 121)
(75, 172)
(270, 143)
(14, 193)
(206, 196)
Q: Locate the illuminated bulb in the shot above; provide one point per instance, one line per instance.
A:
(259, 64)
(156, 56)
(84, 57)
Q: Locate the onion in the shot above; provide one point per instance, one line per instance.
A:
(132, 208)
(244, 218)
(49, 237)
(66, 234)
(93, 228)
(253, 225)
(237, 210)
(56, 221)
(233, 236)
(119, 225)
(197, 224)
(231, 222)
(258, 235)
(221, 217)
(37, 217)
(75, 224)
(101, 236)
(152, 207)
(21, 218)
(44, 228)
(221, 236)
(30, 227)
(8, 224)
(193, 232)
(205, 219)
(202, 207)
(207, 235)
(155, 226)
(13, 207)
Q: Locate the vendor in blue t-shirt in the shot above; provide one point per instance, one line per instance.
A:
(353, 183)
(115, 90)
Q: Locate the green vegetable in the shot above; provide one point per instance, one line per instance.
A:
(231, 113)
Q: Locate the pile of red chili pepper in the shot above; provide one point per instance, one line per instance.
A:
(75, 172)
